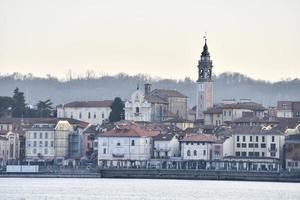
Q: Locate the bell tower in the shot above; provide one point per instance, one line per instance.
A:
(204, 83)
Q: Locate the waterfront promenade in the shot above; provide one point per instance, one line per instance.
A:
(283, 176)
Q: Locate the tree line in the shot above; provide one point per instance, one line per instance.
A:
(16, 106)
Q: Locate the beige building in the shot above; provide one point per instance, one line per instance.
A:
(61, 139)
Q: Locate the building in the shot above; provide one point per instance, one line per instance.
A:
(127, 144)
(14, 146)
(138, 108)
(39, 142)
(253, 147)
(288, 109)
(4, 148)
(63, 129)
(93, 112)
(229, 111)
(197, 146)
(292, 152)
(204, 93)
(166, 146)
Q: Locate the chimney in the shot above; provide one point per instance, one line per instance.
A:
(147, 89)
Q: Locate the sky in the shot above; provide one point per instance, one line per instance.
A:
(161, 38)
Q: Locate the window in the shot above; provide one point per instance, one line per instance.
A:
(263, 138)
(46, 143)
(80, 115)
(137, 110)
(229, 113)
(244, 138)
(41, 143)
(237, 138)
(41, 135)
(28, 143)
(192, 143)
(132, 143)
(34, 135)
(34, 151)
(204, 152)
(256, 138)
(118, 144)
(250, 138)
(188, 153)
(34, 143)
(263, 154)
(273, 139)
(244, 153)
(263, 145)
(46, 135)
(224, 113)
(250, 145)
(89, 115)
(273, 154)
(256, 154)
(195, 153)
(238, 145)
(250, 154)
(237, 153)
(273, 147)
(244, 145)
(95, 115)
(256, 145)
(52, 144)
(104, 151)
(102, 115)
(46, 151)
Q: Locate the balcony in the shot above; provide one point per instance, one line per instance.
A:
(272, 150)
(118, 155)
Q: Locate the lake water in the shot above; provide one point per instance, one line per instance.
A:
(139, 189)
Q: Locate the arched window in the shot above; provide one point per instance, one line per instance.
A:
(89, 115)
(195, 152)
(188, 153)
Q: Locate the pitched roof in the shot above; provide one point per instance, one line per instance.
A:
(129, 129)
(164, 137)
(168, 93)
(89, 104)
(199, 138)
(213, 110)
(156, 99)
(249, 130)
(245, 105)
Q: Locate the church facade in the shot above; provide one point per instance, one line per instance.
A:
(138, 108)
(204, 93)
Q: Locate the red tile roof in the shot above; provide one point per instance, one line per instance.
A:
(129, 129)
(89, 104)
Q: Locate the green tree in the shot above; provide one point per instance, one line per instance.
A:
(19, 106)
(117, 110)
(44, 108)
(5, 105)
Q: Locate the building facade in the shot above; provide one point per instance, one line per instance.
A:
(39, 142)
(138, 108)
(93, 112)
(166, 146)
(126, 144)
(288, 109)
(197, 147)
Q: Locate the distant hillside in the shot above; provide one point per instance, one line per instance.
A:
(227, 85)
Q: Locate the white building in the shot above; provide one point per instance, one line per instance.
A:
(40, 142)
(197, 146)
(3, 150)
(166, 146)
(254, 148)
(14, 146)
(93, 112)
(128, 144)
(138, 108)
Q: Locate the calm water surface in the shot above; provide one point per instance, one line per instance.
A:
(52, 188)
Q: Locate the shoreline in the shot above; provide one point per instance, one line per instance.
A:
(168, 174)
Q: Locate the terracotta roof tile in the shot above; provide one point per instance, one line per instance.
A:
(89, 104)
(199, 138)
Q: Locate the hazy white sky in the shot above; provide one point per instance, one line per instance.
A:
(260, 38)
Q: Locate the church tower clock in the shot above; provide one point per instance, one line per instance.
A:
(204, 83)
